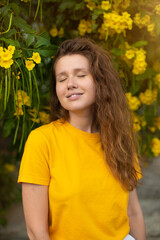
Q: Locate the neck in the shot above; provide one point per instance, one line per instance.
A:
(82, 122)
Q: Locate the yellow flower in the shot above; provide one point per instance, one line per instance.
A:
(157, 9)
(105, 5)
(11, 49)
(9, 167)
(118, 23)
(6, 64)
(151, 27)
(155, 146)
(139, 64)
(44, 117)
(136, 123)
(29, 65)
(148, 97)
(1, 50)
(54, 31)
(133, 102)
(157, 80)
(130, 54)
(7, 55)
(84, 26)
(19, 111)
(36, 57)
(61, 32)
(152, 129)
(157, 122)
(141, 22)
(91, 6)
(22, 98)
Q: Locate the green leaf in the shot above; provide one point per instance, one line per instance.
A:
(17, 54)
(8, 126)
(15, 8)
(117, 51)
(10, 42)
(66, 4)
(96, 13)
(9, 33)
(42, 40)
(140, 44)
(149, 73)
(23, 25)
(4, 11)
(47, 51)
(79, 6)
(30, 39)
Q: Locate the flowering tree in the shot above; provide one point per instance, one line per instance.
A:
(129, 29)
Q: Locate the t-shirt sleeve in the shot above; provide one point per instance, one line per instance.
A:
(34, 166)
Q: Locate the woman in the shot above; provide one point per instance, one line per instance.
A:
(79, 172)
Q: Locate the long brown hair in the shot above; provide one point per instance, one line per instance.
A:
(111, 113)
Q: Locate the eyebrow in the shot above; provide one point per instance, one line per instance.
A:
(75, 70)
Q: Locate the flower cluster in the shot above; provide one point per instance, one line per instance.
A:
(121, 5)
(9, 167)
(55, 32)
(157, 80)
(6, 56)
(30, 64)
(44, 117)
(21, 99)
(25, 1)
(84, 27)
(148, 97)
(155, 146)
(133, 102)
(90, 4)
(105, 5)
(139, 63)
(157, 9)
(144, 22)
(118, 23)
(136, 122)
(157, 122)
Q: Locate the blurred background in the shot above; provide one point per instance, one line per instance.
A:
(30, 33)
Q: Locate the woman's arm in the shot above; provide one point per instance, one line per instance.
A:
(35, 205)
(136, 220)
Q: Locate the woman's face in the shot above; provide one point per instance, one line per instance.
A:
(75, 86)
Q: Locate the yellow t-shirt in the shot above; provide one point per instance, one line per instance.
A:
(85, 200)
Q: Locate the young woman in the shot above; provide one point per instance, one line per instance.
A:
(79, 172)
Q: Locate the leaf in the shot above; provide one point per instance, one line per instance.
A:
(42, 40)
(48, 51)
(149, 73)
(135, 87)
(140, 44)
(78, 6)
(23, 25)
(117, 51)
(96, 13)
(10, 42)
(8, 126)
(15, 8)
(30, 39)
(67, 4)
(9, 33)
(4, 11)
(17, 54)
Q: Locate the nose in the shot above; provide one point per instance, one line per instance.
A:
(71, 83)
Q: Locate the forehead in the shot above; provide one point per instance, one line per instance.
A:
(71, 62)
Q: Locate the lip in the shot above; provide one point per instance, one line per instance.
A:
(75, 93)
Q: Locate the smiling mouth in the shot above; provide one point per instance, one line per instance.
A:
(73, 95)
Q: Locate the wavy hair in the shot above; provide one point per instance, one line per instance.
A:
(111, 114)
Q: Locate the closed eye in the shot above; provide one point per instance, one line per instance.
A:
(81, 76)
(62, 80)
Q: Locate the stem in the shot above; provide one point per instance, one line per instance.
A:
(9, 83)
(41, 11)
(5, 91)
(10, 23)
(37, 9)
(16, 131)
(30, 88)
